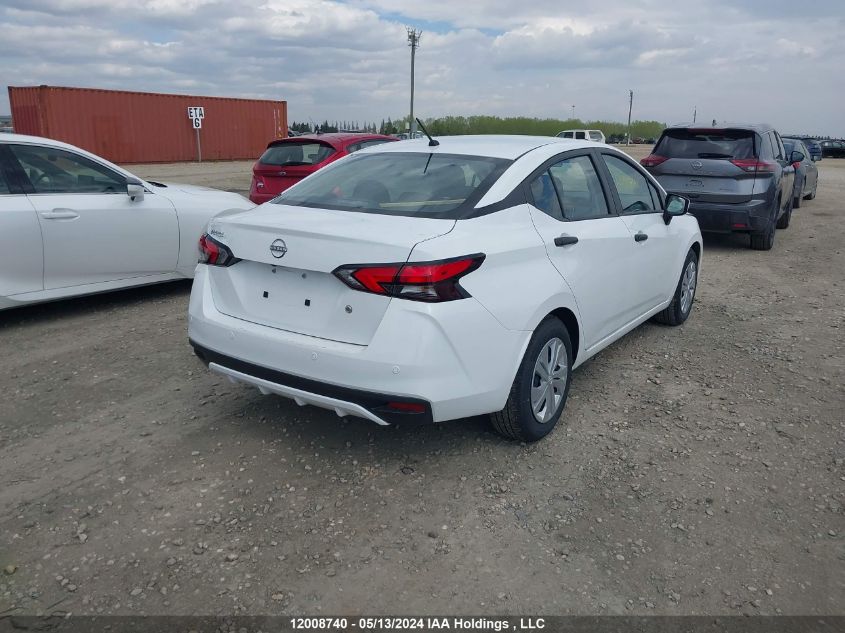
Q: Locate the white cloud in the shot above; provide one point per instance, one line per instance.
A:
(349, 60)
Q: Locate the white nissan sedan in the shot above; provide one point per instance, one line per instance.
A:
(430, 281)
(72, 223)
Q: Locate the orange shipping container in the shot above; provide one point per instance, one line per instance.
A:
(145, 127)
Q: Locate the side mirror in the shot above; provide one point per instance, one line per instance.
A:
(135, 189)
(675, 205)
(796, 157)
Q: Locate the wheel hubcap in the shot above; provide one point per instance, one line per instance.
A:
(688, 287)
(549, 380)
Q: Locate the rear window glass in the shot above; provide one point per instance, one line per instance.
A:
(412, 184)
(706, 144)
(596, 136)
(4, 186)
(297, 153)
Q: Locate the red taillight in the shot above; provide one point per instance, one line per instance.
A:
(652, 160)
(215, 253)
(418, 281)
(754, 166)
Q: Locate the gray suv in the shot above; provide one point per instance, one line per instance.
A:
(738, 178)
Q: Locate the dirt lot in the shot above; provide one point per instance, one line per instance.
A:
(697, 470)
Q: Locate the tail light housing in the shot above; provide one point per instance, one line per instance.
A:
(431, 282)
(653, 160)
(754, 165)
(215, 253)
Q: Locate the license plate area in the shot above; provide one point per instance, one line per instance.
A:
(303, 301)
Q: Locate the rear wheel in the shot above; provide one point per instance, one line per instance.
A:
(541, 386)
(783, 221)
(678, 311)
(766, 239)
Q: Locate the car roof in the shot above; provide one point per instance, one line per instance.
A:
(49, 142)
(755, 127)
(35, 140)
(509, 147)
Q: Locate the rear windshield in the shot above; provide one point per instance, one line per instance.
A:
(411, 184)
(296, 153)
(690, 143)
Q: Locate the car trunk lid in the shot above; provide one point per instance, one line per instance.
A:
(291, 286)
(286, 162)
(706, 164)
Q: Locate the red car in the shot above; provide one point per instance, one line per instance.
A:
(289, 160)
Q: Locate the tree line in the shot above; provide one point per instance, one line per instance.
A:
(460, 125)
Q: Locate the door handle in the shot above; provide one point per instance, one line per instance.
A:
(59, 214)
(640, 237)
(566, 240)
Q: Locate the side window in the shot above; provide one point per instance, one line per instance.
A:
(655, 196)
(4, 186)
(776, 148)
(545, 196)
(764, 147)
(581, 135)
(52, 170)
(633, 188)
(579, 189)
(568, 135)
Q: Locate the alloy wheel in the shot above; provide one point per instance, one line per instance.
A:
(688, 287)
(548, 382)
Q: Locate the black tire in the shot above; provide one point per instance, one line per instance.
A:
(783, 221)
(517, 420)
(796, 200)
(678, 311)
(765, 240)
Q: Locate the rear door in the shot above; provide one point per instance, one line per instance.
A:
(589, 245)
(91, 230)
(288, 161)
(705, 164)
(20, 235)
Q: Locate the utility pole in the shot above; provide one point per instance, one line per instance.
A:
(573, 112)
(630, 107)
(694, 113)
(413, 42)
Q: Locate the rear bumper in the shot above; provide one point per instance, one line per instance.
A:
(342, 400)
(453, 357)
(751, 217)
(261, 198)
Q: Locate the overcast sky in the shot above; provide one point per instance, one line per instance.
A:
(775, 61)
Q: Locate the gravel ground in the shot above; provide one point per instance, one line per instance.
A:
(697, 470)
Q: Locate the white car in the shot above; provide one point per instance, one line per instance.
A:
(420, 282)
(72, 223)
(583, 135)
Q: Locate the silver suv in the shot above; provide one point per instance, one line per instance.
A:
(738, 178)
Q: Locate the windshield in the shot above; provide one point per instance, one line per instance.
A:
(413, 184)
(691, 143)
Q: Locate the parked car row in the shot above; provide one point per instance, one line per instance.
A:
(423, 280)
(739, 179)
